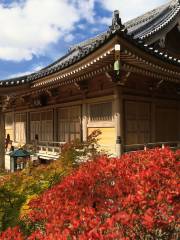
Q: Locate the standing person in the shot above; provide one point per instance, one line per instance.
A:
(7, 141)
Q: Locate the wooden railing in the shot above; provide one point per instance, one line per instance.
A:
(49, 150)
(52, 150)
(145, 146)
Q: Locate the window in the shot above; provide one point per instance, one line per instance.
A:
(20, 127)
(8, 120)
(69, 124)
(9, 126)
(47, 126)
(101, 112)
(41, 125)
(35, 126)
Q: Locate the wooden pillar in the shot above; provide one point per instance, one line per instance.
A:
(14, 126)
(118, 119)
(55, 125)
(28, 128)
(153, 121)
(2, 139)
(178, 123)
(84, 122)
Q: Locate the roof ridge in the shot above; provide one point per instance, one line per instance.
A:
(174, 7)
(87, 41)
(131, 23)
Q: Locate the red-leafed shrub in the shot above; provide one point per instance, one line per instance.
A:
(134, 197)
(12, 234)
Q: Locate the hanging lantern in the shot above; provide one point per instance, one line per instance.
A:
(117, 67)
(117, 59)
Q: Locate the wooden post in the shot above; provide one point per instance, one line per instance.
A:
(119, 119)
(55, 125)
(178, 124)
(14, 130)
(84, 122)
(28, 128)
(2, 139)
(153, 121)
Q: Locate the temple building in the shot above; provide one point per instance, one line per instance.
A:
(125, 82)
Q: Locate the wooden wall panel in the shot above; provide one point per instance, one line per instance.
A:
(166, 124)
(107, 139)
(137, 122)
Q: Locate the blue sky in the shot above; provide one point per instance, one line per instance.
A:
(34, 33)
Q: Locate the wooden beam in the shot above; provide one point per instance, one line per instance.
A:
(2, 139)
(118, 102)
(153, 120)
(84, 121)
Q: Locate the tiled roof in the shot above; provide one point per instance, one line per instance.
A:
(153, 21)
(134, 31)
(75, 55)
(148, 23)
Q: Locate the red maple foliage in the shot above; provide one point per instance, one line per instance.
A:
(134, 197)
(12, 234)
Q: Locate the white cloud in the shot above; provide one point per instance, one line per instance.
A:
(81, 26)
(29, 27)
(106, 20)
(19, 74)
(69, 38)
(131, 8)
(86, 9)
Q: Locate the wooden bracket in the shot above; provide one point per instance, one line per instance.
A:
(82, 85)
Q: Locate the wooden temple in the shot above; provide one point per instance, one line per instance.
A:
(125, 82)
